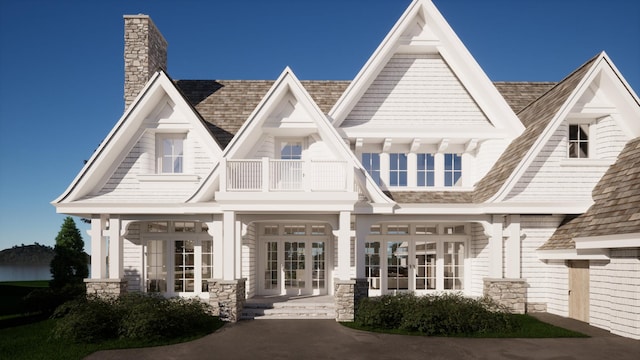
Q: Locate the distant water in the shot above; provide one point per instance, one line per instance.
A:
(24, 272)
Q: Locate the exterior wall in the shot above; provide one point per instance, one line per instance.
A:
(250, 260)
(615, 293)
(133, 263)
(557, 287)
(537, 229)
(416, 90)
(550, 177)
(479, 253)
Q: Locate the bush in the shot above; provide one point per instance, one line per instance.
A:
(47, 300)
(446, 314)
(132, 316)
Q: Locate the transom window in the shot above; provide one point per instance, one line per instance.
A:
(371, 163)
(452, 170)
(579, 141)
(398, 169)
(170, 154)
(426, 170)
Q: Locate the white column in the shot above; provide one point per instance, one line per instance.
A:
(228, 245)
(512, 248)
(363, 226)
(115, 248)
(215, 230)
(495, 247)
(438, 166)
(98, 248)
(238, 249)
(344, 245)
(384, 168)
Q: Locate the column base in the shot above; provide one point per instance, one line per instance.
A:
(227, 298)
(347, 294)
(106, 287)
(510, 293)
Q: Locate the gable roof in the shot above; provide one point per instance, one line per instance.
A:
(617, 204)
(537, 116)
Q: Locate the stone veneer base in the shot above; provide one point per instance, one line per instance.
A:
(511, 293)
(106, 287)
(227, 298)
(347, 294)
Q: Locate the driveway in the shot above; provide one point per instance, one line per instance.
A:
(326, 339)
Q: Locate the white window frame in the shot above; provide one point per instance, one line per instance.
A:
(591, 134)
(283, 142)
(160, 138)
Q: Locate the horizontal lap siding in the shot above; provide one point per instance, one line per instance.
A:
(132, 258)
(479, 252)
(416, 89)
(550, 178)
(615, 293)
(546, 281)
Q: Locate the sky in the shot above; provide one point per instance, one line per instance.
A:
(61, 66)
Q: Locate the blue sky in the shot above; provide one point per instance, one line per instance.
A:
(61, 66)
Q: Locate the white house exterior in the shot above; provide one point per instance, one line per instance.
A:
(420, 175)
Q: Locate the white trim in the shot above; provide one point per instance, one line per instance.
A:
(167, 177)
(614, 241)
(572, 254)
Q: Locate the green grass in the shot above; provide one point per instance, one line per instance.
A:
(33, 283)
(528, 327)
(12, 293)
(34, 342)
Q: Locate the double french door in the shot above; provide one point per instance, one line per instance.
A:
(294, 266)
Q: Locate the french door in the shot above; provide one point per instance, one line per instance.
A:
(294, 266)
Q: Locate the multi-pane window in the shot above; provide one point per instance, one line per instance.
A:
(453, 265)
(184, 226)
(291, 150)
(452, 170)
(398, 169)
(371, 163)
(426, 170)
(156, 266)
(372, 263)
(184, 255)
(207, 264)
(579, 141)
(171, 154)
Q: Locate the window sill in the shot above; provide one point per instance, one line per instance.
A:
(585, 162)
(168, 178)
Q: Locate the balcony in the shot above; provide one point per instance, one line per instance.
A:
(273, 175)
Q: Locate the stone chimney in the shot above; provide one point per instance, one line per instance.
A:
(145, 52)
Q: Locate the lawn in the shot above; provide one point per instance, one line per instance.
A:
(11, 294)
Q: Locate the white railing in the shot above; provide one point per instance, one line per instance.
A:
(285, 175)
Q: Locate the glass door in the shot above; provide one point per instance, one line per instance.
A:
(294, 267)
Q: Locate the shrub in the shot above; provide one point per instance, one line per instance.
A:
(446, 314)
(132, 316)
(46, 300)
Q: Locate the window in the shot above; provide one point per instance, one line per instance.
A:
(452, 170)
(291, 150)
(398, 169)
(207, 264)
(171, 154)
(184, 255)
(271, 229)
(579, 141)
(453, 265)
(371, 163)
(372, 263)
(426, 170)
(181, 226)
(295, 230)
(156, 266)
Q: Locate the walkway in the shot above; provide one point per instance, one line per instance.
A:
(326, 339)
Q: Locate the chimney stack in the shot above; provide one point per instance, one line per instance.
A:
(145, 52)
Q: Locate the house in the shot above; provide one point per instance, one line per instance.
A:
(419, 175)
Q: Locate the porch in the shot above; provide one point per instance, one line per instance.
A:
(289, 307)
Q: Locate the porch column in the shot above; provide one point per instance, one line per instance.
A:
(363, 226)
(495, 247)
(98, 248)
(512, 248)
(229, 245)
(344, 245)
(215, 230)
(115, 248)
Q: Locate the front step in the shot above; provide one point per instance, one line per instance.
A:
(288, 310)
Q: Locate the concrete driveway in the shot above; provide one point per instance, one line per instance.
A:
(326, 339)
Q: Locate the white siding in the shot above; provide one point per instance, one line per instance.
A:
(551, 178)
(416, 89)
(249, 260)
(557, 275)
(614, 288)
(537, 230)
(479, 253)
(266, 148)
(132, 258)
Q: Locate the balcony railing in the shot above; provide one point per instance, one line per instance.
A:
(286, 175)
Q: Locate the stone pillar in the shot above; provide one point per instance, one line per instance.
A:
(227, 298)
(511, 293)
(106, 287)
(145, 52)
(347, 294)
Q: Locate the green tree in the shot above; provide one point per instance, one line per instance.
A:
(70, 264)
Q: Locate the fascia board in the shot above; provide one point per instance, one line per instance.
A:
(548, 132)
(613, 241)
(618, 74)
(88, 171)
(560, 207)
(572, 254)
(82, 209)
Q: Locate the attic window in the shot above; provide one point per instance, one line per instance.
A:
(170, 154)
(579, 141)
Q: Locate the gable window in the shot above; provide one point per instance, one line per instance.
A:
(452, 170)
(426, 170)
(398, 169)
(170, 154)
(371, 163)
(579, 141)
(291, 150)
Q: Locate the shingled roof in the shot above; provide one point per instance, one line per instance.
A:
(535, 117)
(617, 203)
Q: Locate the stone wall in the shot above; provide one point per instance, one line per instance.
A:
(534, 307)
(145, 52)
(227, 298)
(347, 294)
(106, 287)
(511, 293)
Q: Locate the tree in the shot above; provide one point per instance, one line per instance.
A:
(70, 264)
